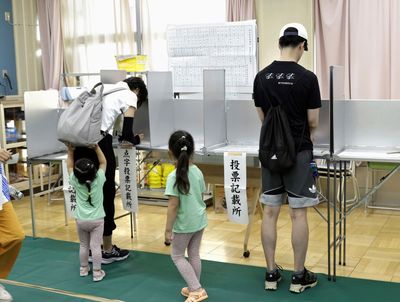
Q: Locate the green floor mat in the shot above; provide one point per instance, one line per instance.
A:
(153, 277)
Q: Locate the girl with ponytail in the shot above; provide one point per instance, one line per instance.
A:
(187, 217)
(89, 213)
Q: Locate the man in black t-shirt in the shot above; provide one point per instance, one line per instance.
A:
(296, 89)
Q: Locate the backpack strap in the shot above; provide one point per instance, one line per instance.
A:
(93, 90)
(114, 90)
(265, 93)
(305, 122)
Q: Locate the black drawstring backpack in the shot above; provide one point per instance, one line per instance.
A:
(277, 151)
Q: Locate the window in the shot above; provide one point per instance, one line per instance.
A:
(94, 32)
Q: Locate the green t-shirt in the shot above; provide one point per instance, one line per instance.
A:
(191, 216)
(85, 211)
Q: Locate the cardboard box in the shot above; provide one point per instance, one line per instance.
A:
(219, 199)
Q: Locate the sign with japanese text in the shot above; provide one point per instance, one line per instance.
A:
(127, 178)
(235, 180)
(69, 191)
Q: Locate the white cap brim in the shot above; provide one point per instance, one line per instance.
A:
(300, 31)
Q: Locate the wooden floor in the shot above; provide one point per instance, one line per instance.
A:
(373, 237)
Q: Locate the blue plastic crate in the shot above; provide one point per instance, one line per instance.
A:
(11, 134)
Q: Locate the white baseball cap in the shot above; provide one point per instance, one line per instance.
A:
(293, 29)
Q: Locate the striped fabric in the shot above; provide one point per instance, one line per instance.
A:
(4, 185)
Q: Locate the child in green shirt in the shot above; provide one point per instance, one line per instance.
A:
(88, 183)
(187, 217)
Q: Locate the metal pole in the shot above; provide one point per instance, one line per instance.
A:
(345, 214)
(334, 220)
(331, 119)
(49, 186)
(138, 27)
(134, 222)
(131, 219)
(328, 209)
(340, 211)
(31, 199)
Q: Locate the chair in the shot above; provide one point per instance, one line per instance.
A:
(350, 176)
(376, 167)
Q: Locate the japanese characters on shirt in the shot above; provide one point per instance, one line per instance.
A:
(235, 186)
(127, 178)
(69, 192)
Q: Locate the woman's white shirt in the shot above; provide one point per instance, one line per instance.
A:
(116, 103)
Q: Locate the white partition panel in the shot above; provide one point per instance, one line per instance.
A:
(323, 131)
(243, 123)
(214, 108)
(142, 123)
(41, 118)
(159, 85)
(188, 116)
(372, 123)
(112, 76)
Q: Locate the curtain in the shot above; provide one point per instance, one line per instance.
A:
(50, 41)
(240, 10)
(394, 50)
(95, 31)
(27, 46)
(158, 14)
(347, 36)
(332, 42)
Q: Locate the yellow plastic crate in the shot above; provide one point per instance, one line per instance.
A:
(131, 63)
(154, 176)
(167, 168)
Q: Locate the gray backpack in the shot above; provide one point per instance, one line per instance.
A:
(80, 123)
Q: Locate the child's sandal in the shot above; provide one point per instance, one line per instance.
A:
(185, 291)
(197, 296)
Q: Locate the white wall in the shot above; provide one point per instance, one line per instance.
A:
(271, 16)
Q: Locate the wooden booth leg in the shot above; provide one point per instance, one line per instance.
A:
(253, 206)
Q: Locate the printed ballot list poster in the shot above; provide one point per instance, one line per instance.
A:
(235, 186)
(127, 178)
(230, 45)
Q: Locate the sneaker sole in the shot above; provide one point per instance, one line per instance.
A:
(298, 288)
(108, 261)
(272, 285)
(115, 259)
